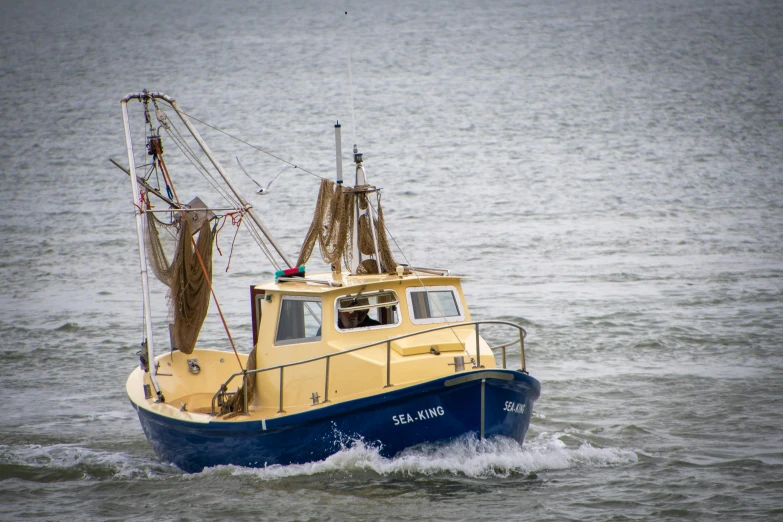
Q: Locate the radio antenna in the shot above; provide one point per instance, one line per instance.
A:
(350, 76)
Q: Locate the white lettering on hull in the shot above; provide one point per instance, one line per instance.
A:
(420, 415)
(514, 407)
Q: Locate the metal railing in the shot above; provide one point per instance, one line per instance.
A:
(223, 393)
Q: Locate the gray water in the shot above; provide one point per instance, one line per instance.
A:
(607, 173)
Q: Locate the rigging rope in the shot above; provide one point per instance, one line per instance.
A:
(259, 149)
(237, 222)
(189, 153)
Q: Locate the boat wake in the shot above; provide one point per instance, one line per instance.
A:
(466, 456)
(61, 462)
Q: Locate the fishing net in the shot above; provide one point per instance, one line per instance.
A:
(366, 244)
(388, 264)
(332, 229)
(187, 279)
(156, 254)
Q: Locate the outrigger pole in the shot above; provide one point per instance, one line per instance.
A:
(145, 287)
(139, 211)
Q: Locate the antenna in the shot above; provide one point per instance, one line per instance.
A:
(339, 150)
(350, 78)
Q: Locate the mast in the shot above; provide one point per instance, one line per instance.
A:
(145, 288)
(361, 180)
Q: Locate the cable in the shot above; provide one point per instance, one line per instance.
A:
(240, 140)
(183, 146)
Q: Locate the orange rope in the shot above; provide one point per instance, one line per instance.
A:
(220, 229)
(237, 222)
(164, 169)
(220, 312)
(167, 178)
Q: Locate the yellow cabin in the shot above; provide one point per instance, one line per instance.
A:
(301, 320)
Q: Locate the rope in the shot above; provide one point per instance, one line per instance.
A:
(166, 177)
(200, 167)
(214, 296)
(178, 139)
(237, 222)
(259, 149)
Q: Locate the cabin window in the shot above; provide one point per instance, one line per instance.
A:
(300, 320)
(367, 310)
(435, 304)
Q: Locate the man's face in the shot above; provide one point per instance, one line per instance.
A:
(352, 319)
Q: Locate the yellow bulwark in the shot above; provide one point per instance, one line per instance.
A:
(307, 319)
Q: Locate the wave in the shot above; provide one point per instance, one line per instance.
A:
(466, 456)
(69, 327)
(60, 462)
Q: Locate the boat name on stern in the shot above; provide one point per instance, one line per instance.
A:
(514, 407)
(429, 413)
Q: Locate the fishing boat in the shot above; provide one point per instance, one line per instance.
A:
(372, 350)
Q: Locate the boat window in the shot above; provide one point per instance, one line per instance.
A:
(434, 304)
(300, 320)
(367, 310)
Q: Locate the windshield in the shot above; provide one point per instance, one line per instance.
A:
(367, 310)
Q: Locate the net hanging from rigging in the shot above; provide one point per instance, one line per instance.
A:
(332, 228)
(189, 289)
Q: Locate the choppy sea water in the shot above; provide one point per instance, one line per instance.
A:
(607, 173)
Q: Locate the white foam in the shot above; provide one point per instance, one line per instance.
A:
(466, 456)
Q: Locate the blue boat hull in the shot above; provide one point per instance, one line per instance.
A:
(485, 402)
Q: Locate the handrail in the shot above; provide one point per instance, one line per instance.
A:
(435, 271)
(388, 341)
(285, 279)
(503, 347)
(368, 306)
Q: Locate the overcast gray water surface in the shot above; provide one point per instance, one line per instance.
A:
(607, 173)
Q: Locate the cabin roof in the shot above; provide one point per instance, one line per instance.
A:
(310, 284)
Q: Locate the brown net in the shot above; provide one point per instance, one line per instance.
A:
(187, 279)
(156, 256)
(332, 228)
(366, 244)
(388, 264)
(368, 266)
